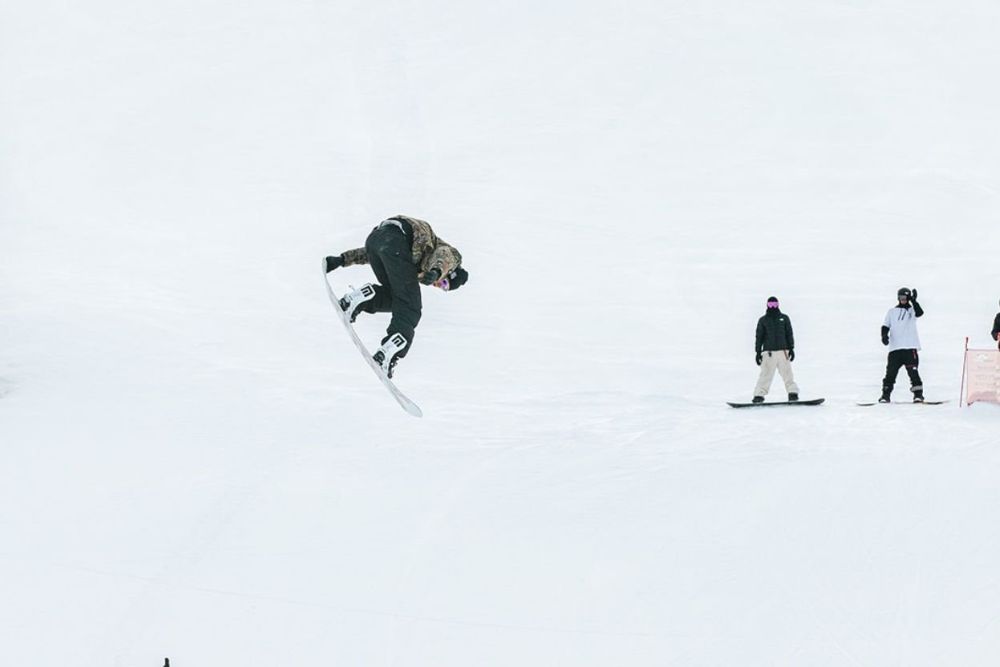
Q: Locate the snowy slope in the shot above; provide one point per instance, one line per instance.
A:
(194, 463)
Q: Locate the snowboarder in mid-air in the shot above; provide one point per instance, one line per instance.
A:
(899, 332)
(404, 253)
(775, 347)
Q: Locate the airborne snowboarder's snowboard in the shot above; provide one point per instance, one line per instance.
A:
(815, 401)
(400, 397)
(865, 405)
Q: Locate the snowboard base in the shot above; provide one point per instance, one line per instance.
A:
(765, 404)
(866, 405)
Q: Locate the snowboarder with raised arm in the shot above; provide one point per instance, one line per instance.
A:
(404, 253)
(899, 332)
(775, 347)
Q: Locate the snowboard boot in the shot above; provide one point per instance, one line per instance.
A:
(918, 394)
(351, 302)
(884, 398)
(758, 399)
(793, 397)
(387, 356)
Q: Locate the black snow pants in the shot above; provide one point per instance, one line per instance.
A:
(390, 255)
(899, 359)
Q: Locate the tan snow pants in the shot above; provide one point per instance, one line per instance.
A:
(775, 361)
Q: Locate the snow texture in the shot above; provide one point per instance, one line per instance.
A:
(194, 463)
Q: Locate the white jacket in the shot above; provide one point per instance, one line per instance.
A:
(902, 323)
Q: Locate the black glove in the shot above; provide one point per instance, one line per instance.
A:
(914, 297)
(334, 263)
(885, 338)
(431, 277)
(760, 358)
(791, 355)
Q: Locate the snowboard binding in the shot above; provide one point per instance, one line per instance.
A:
(351, 302)
(387, 356)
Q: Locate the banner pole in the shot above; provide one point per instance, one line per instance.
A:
(965, 363)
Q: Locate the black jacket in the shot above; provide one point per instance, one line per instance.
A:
(774, 332)
(996, 328)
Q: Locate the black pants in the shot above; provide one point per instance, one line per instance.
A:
(390, 255)
(899, 359)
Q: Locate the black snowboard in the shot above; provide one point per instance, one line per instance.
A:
(865, 405)
(815, 401)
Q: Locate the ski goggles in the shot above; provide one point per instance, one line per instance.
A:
(442, 284)
(771, 304)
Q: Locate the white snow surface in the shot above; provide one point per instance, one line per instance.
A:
(195, 463)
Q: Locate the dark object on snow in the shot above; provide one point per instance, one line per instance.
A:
(431, 277)
(774, 332)
(398, 291)
(426, 249)
(334, 263)
(403, 252)
(910, 359)
(457, 278)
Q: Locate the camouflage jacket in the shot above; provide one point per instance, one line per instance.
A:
(429, 251)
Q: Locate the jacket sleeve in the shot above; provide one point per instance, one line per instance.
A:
(424, 243)
(917, 310)
(759, 344)
(789, 336)
(996, 327)
(357, 256)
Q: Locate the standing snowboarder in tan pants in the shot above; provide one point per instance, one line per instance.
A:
(775, 348)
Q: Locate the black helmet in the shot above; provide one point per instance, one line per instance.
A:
(904, 291)
(457, 278)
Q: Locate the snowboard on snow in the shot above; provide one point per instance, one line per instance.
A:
(865, 405)
(400, 397)
(765, 404)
